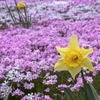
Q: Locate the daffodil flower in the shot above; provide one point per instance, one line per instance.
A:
(74, 58)
(21, 5)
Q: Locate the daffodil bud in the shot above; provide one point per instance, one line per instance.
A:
(21, 5)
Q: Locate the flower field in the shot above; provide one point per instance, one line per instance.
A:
(28, 55)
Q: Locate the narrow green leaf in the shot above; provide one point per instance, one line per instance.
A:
(18, 11)
(91, 92)
(7, 96)
(58, 97)
(11, 14)
(68, 94)
(25, 14)
(82, 95)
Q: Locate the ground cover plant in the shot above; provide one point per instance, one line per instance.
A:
(28, 56)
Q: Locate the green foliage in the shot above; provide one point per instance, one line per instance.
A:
(58, 97)
(7, 96)
(96, 80)
(82, 95)
(91, 92)
(68, 94)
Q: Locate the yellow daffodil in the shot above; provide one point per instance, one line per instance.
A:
(74, 58)
(21, 5)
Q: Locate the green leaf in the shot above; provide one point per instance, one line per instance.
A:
(58, 97)
(68, 94)
(11, 14)
(91, 92)
(82, 95)
(9, 91)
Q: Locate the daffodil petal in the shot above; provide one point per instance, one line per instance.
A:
(62, 51)
(86, 52)
(89, 59)
(86, 63)
(61, 66)
(75, 71)
(73, 44)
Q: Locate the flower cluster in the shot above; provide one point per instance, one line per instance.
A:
(28, 56)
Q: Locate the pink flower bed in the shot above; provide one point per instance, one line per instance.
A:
(27, 57)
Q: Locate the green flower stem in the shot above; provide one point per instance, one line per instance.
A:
(26, 18)
(83, 77)
(25, 14)
(11, 14)
(84, 81)
(18, 11)
(21, 14)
